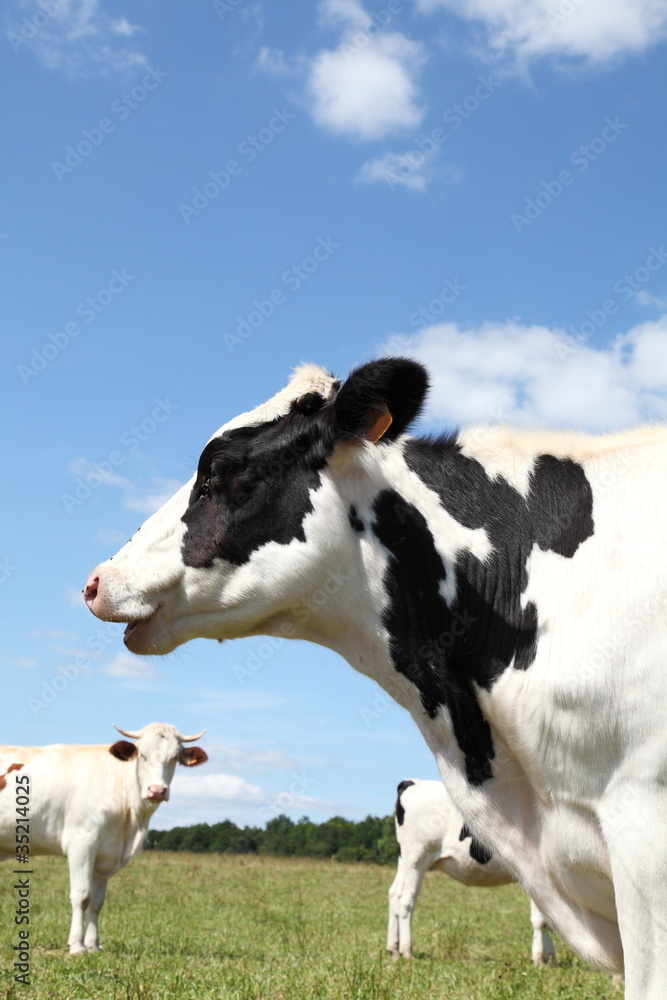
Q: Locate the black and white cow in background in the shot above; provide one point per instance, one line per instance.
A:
(430, 831)
(507, 588)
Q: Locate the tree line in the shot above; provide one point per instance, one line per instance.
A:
(371, 839)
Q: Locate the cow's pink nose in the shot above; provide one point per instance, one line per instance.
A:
(157, 791)
(90, 591)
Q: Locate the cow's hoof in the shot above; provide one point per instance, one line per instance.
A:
(77, 949)
(93, 949)
(393, 953)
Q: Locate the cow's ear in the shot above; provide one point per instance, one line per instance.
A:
(380, 399)
(193, 756)
(123, 750)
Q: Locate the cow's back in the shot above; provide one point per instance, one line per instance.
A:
(70, 788)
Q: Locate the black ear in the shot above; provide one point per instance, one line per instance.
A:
(123, 750)
(380, 399)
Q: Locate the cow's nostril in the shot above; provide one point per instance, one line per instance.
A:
(90, 592)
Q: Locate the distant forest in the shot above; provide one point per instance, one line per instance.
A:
(372, 839)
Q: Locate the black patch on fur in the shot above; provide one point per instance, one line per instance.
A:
(557, 515)
(253, 487)
(478, 852)
(400, 811)
(430, 644)
(355, 521)
(253, 483)
(443, 648)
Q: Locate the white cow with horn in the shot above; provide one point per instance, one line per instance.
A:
(91, 804)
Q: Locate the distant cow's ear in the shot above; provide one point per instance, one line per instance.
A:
(193, 755)
(380, 399)
(123, 750)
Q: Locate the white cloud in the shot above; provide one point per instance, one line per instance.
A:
(197, 796)
(533, 375)
(366, 87)
(82, 467)
(410, 170)
(274, 62)
(216, 788)
(148, 503)
(591, 30)
(123, 27)
(90, 477)
(367, 93)
(254, 760)
(254, 13)
(24, 662)
(214, 702)
(345, 13)
(75, 36)
(645, 298)
(130, 667)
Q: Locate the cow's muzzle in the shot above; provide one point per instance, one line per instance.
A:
(107, 596)
(157, 793)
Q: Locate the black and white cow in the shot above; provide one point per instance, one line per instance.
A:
(431, 831)
(507, 588)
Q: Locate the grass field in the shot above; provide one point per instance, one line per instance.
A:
(194, 927)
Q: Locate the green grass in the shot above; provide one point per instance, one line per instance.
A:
(194, 927)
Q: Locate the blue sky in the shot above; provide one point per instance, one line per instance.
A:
(202, 197)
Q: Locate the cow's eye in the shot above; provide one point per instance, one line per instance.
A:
(219, 473)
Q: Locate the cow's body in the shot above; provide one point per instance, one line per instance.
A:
(507, 588)
(91, 804)
(431, 831)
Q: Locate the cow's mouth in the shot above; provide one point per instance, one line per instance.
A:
(137, 635)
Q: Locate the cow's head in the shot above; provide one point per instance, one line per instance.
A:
(274, 512)
(157, 751)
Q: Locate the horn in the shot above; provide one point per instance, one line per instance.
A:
(191, 739)
(125, 732)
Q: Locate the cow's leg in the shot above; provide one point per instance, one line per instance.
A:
(97, 894)
(634, 829)
(80, 860)
(406, 898)
(393, 938)
(543, 946)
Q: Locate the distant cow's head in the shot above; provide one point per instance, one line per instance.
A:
(273, 516)
(157, 751)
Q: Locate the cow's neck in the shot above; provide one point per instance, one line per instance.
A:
(138, 811)
(449, 616)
